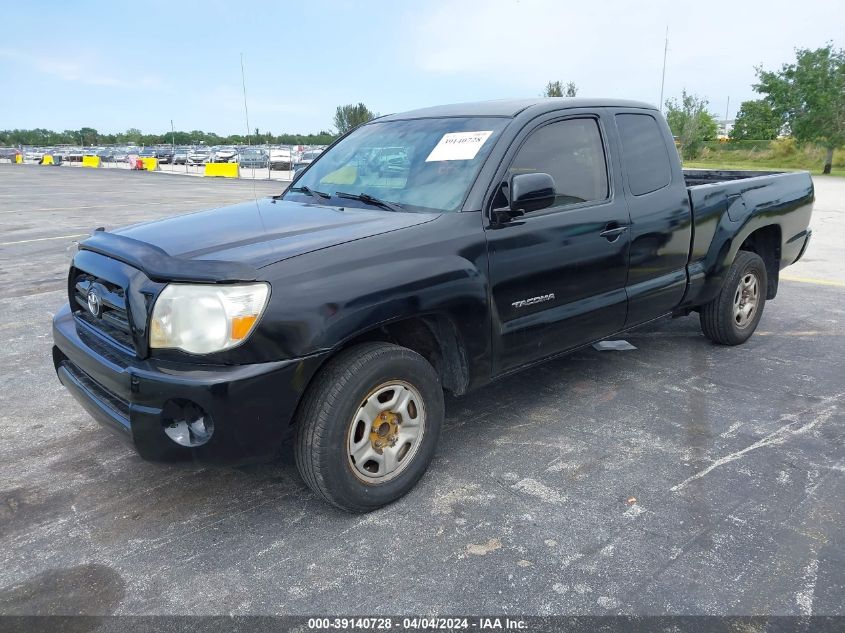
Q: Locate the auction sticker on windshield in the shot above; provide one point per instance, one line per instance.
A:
(458, 146)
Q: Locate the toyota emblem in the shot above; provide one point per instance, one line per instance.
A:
(94, 302)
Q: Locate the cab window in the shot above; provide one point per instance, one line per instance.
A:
(571, 152)
(644, 153)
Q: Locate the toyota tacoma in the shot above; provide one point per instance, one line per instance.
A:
(424, 252)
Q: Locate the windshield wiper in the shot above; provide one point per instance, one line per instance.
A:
(310, 192)
(368, 199)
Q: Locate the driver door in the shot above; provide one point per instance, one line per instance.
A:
(558, 274)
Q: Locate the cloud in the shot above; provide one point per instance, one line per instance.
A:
(230, 99)
(529, 41)
(614, 48)
(80, 71)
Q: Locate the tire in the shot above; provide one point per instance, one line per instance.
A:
(372, 397)
(732, 317)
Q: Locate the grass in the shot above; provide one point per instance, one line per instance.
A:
(778, 155)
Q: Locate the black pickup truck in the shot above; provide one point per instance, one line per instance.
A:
(434, 250)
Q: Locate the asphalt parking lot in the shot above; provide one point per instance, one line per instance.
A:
(679, 478)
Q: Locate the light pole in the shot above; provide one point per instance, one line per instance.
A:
(663, 78)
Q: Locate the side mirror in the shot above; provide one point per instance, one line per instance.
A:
(528, 192)
(531, 192)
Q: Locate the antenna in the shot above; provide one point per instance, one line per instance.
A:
(663, 79)
(246, 109)
(249, 142)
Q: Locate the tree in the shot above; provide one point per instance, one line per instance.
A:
(351, 116)
(88, 136)
(557, 89)
(133, 135)
(756, 120)
(553, 89)
(810, 95)
(44, 138)
(690, 123)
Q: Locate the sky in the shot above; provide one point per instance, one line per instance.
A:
(116, 65)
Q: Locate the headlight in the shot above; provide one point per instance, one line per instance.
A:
(201, 319)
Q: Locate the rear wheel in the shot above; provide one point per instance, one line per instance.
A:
(732, 317)
(368, 426)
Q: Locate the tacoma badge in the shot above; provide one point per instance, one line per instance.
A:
(522, 303)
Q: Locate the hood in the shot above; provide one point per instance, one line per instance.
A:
(265, 231)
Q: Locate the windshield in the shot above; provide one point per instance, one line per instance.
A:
(420, 164)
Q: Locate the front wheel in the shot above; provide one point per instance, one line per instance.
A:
(732, 317)
(368, 426)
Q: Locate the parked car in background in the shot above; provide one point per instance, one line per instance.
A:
(255, 158)
(198, 156)
(280, 158)
(106, 155)
(164, 155)
(180, 156)
(306, 159)
(73, 155)
(148, 152)
(224, 155)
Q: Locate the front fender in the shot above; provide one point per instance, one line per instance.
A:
(321, 300)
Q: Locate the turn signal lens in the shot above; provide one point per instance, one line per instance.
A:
(242, 326)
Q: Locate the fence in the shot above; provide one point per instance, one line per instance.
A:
(199, 170)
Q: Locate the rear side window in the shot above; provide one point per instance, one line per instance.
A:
(644, 153)
(571, 152)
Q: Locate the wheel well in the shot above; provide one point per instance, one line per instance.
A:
(766, 243)
(435, 338)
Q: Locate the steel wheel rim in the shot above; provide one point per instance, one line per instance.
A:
(746, 300)
(393, 415)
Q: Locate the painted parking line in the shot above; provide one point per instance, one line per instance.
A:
(814, 281)
(29, 194)
(114, 206)
(45, 239)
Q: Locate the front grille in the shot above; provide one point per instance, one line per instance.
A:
(115, 355)
(113, 319)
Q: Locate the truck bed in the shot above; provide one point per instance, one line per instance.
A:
(728, 206)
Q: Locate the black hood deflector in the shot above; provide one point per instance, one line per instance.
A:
(160, 266)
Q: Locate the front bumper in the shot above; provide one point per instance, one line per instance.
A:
(251, 406)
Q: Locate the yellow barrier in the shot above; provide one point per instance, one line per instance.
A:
(47, 159)
(223, 170)
(150, 164)
(19, 158)
(91, 161)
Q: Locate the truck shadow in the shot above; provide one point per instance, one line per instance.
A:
(564, 396)
(558, 401)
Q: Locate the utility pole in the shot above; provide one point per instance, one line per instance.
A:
(663, 79)
(172, 136)
(727, 109)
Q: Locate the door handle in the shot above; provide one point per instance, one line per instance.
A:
(612, 233)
